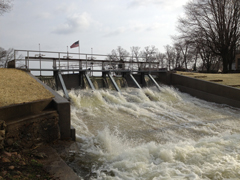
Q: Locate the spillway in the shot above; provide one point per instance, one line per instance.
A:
(147, 134)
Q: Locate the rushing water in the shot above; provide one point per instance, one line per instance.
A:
(150, 135)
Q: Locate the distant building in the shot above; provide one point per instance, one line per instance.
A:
(237, 60)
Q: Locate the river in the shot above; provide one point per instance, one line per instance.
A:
(151, 135)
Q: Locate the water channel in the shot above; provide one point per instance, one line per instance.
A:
(144, 134)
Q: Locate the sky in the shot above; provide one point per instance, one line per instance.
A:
(99, 25)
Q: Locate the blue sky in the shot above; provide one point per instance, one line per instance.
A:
(99, 24)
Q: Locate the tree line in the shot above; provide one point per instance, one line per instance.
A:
(208, 39)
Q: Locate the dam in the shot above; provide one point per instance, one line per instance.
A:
(155, 132)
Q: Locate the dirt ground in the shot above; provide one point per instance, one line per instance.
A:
(232, 80)
(17, 87)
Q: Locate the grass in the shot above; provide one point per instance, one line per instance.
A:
(232, 80)
(17, 87)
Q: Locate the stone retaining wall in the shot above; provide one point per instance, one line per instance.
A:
(30, 131)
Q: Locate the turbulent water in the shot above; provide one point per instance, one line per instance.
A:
(150, 135)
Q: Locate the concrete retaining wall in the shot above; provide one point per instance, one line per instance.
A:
(62, 106)
(205, 90)
(24, 109)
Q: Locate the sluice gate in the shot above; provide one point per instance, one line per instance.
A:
(70, 69)
(134, 80)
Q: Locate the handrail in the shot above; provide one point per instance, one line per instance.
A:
(66, 61)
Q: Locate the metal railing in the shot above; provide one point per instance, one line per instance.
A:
(48, 61)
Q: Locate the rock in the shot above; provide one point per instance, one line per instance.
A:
(11, 167)
(9, 141)
(22, 163)
(39, 155)
(38, 176)
(4, 173)
(19, 156)
(26, 151)
(2, 133)
(14, 153)
(7, 154)
(16, 177)
(19, 173)
(5, 160)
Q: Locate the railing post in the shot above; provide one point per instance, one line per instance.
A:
(86, 61)
(58, 60)
(40, 65)
(15, 57)
(27, 60)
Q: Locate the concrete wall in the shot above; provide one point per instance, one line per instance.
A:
(71, 80)
(74, 81)
(62, 106)
(205, 90)
(24, 109)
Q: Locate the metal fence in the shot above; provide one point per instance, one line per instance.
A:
(45, 62)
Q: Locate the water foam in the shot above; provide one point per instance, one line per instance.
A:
(146, 134)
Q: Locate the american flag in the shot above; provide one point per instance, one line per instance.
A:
(76, 44)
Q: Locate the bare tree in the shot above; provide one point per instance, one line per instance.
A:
(121, 55)
(178, 60)
(215, 24)
(209, 60)
(183, 47)
(6, 56)
(118, 54)
(136, 55)
(149, 55)
(5, 6)
(161, 57)
(170, 56)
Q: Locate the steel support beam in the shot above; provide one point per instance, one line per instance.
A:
(135, 81)
(63, 85)
(114, 83)
(153, 80)
(89, 82)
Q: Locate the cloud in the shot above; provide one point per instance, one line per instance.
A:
(66, 8)
(74, 23)
(133, 27)
(137, 3)
(115, 32)
(169, 4)
(44, 15)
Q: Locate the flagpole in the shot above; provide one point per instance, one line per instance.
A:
(79, 48)
(80, 62)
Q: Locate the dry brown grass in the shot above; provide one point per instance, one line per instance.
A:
(232, 80)
(18, 87)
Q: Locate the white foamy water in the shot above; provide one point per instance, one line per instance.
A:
(150, 135)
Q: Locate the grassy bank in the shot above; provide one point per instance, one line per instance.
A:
(232, 80)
